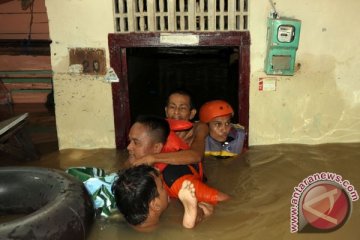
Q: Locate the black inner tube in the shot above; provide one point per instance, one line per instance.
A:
(51, 204)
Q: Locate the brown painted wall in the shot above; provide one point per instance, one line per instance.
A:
(15, 22)
(21, 64)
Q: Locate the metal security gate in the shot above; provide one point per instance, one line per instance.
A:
(180, 15)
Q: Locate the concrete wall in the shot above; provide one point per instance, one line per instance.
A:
(84, 113)
(320, 104)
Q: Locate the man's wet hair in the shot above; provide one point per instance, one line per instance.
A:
(133, 190)
(159, 128)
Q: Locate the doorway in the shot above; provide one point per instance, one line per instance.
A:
(207, 72)
(216, 68)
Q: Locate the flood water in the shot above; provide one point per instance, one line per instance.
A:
(260, 181)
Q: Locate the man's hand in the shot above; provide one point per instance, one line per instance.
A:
(186, 136)
(147, 160)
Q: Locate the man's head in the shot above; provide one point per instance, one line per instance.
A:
(147, 136)
(180, 106)
(217, 114)
(139, 194)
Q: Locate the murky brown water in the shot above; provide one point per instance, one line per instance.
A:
(261, 183)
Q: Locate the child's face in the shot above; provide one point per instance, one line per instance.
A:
(219, 128)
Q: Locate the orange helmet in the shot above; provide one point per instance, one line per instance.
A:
(213, 109)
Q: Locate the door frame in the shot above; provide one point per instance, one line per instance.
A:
(118, 43)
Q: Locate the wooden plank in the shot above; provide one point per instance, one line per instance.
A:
(34, 36)
(11, 12)
(15, 7)
(10, 123)
(12, 86)
(25, 47)
(31, 91)
(29, 97)
(43, 75)
(20, 23)
(23, 62)
(26, 86)
(34, 79)
(27, 79)
(35, 108)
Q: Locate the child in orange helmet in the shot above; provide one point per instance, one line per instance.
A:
(225, 139)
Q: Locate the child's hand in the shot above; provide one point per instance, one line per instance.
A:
(186, 136)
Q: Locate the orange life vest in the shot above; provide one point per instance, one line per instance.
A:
(175, 143)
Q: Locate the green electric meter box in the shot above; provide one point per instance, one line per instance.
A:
(283, 36)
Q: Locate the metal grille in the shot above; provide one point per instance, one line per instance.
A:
(180, 15)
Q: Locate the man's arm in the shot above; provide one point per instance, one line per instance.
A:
(201, 130)
(183, 157)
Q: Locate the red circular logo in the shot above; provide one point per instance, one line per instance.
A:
(325, 206)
